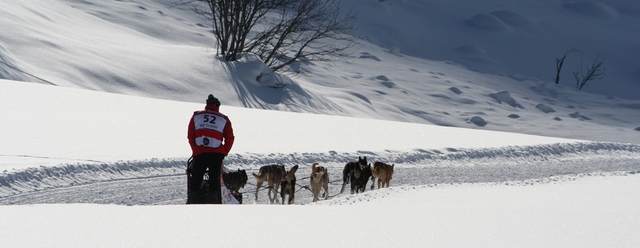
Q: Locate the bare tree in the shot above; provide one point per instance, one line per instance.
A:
(560, 62)
(232, 21)
(595, 71)
(313, 29)
(293, 29)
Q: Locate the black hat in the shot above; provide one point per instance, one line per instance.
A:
(213, 100)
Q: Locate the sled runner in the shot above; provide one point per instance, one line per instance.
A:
(230, 194)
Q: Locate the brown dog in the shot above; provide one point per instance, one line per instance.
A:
(288, 185)
(272, 175)
(319, 179)
(383, 172)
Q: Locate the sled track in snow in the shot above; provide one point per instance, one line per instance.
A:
(157, 181)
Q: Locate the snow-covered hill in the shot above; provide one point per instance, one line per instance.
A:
(96, 97)
(146, 49)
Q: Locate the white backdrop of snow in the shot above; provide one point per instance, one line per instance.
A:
(410, 74)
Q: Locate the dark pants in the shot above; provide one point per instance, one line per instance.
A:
(212, 161)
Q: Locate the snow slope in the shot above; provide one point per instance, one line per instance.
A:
(478, 192)
(520, 39)
(96, 97)
(144, 48)
(93, 126)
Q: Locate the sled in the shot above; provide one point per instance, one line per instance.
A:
(228, 197)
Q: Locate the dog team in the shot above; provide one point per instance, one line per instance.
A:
(357, 173)
(211, 137)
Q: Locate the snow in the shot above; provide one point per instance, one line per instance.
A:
(93, 130)
(96, 97)
(584, 213)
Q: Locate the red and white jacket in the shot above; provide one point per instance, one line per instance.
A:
(210, 131)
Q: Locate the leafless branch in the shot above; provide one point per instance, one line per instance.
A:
(560, 62)
(594, 72)
(314, 29)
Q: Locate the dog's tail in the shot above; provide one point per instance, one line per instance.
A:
(259, 173)
(291, 174)
(313, 168)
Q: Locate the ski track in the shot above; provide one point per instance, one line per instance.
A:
(162, 182)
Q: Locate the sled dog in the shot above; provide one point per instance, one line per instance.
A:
(319, 179)
(288, 185)
(360, 184)
(358, 173)
(383, 172)
(235, 180)
(272, 175)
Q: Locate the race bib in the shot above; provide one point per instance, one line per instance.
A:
(209, 121)
(209, 129)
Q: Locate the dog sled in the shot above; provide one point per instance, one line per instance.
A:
(228, 188)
